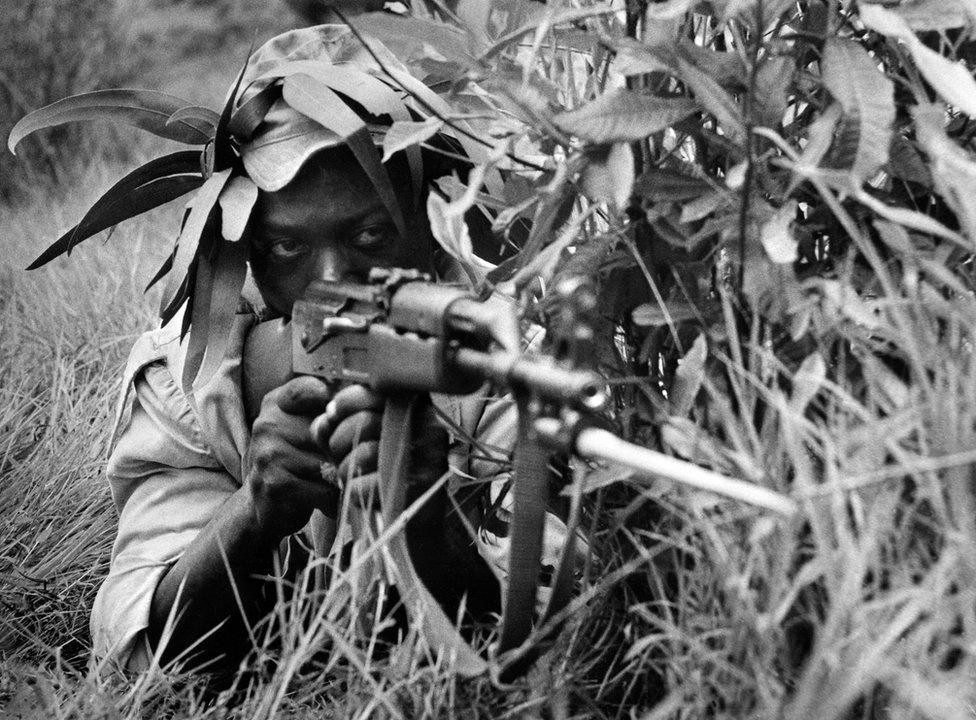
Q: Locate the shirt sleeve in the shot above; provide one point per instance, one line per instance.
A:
(166, 484)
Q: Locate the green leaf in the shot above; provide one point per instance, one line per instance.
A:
(426, 102)
(704, 205)
(772, 90)
(406, 133)
(932, 14)
(236, 202)
(807, 381)
(906, 163)
(953, 169)
(246, 119)
(952, 80)
(203, 204)
(867, 99)
(195, 114)
(912, 219)
(163, 269)
(196, 319)
(451, 233)
(145, 109)
(771, 9)
(550, 19)
(609, 175)
(653, 315)
(222, 154)
(819, 139)
(714, 99)
(154, 184)
(406, 36)
(688, 377)
(319, 102)
(623, 116)
(776, 234)
(229, 272)
(375, 95)
(666, 185)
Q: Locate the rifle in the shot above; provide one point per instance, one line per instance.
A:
(404, 335)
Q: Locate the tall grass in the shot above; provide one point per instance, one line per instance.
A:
(64, 331)
(866, 602)
(849, 384)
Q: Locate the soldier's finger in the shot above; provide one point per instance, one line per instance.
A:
(360, 461)
(351, 400)
(347, 401)
(357, 428)
(305, 395)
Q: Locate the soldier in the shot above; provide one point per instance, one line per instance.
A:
(220, 487)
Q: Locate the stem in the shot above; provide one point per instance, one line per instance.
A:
(750, 141)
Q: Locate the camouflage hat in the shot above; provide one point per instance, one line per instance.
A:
(301, 92)
(286, 138)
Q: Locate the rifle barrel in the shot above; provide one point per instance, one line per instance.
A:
(602, 445)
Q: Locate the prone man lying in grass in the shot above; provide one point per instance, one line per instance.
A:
(219, 497)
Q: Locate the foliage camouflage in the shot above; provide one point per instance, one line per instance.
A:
(773, 199)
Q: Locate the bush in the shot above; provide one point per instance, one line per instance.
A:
(772, 198)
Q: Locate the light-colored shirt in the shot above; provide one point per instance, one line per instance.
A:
(177, 458)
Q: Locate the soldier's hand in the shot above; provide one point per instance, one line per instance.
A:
(283, 463)
(350, 430)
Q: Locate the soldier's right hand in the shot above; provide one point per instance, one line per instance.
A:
(283, 464)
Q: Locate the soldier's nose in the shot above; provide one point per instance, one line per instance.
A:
(332, 264)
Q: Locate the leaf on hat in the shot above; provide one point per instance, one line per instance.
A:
(149, 186)
(245, 120)
(163, 269)
(214, 308)
(623, 116)
(236, 202)
(145, 109)
(201, 115)
(377, 96)
(196, 319)
(223, 151)
(317, 101)
(203, 205)
(168, 262)
(406, 133)
(168, 310)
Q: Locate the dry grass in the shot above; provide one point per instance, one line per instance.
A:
(864, 606)
(866, 601)
(66, 331)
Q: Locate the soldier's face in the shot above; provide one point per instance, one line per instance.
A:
(327, 224)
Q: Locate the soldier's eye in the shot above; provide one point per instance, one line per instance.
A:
(287, 248)
(374, 237)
